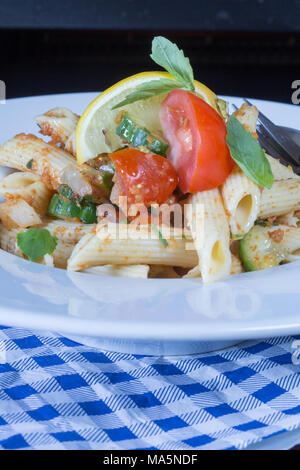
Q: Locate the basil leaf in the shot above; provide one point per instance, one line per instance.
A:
(35, 243)
(248, 154)
(166, 54)
(149, 89)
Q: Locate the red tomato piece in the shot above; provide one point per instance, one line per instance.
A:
(144, 178)
(197, 137)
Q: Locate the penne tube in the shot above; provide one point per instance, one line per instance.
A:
(138, 271)
(70, 145)
(236, 268)
(58, 123)
(29, 187)
(47, 160)
(62, 253)
(207, 221)
(67, 231)
(8, 239)
(241, 199)
(280, 171)
(126, 244)
(282, 198)
(18, 213)
(247, 115)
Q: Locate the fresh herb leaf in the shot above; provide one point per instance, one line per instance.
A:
(172, 59)
(35, 243)
(247, 153)
(29, 164)
(149, 89)
(158, 232)
(166, 54)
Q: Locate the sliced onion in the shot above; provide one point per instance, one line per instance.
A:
(79, 184)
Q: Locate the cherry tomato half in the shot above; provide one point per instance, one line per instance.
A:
(197, 137)
(144, 178)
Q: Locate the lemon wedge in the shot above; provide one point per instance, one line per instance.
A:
(96, 129)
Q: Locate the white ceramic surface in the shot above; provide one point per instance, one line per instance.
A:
(155, 316)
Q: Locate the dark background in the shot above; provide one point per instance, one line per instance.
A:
(237, 47)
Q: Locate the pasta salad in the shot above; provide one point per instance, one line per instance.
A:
(154, 179)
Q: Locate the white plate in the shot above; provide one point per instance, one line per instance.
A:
(155, 316)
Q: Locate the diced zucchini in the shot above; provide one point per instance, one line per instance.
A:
(140, 136)
(259, 251)
(63, 208)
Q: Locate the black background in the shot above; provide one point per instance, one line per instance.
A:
(237, 47)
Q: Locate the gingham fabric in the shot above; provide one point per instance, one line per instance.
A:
(58, 394)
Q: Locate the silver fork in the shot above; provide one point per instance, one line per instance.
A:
(279, 141)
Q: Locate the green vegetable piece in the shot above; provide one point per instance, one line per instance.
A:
(66, 191)
(140, 136)
(35, 243)
(29, 164)
(259, 251)
(63, 208)
(88, 214)
(223, 108)
(247, 153)
(107, 180)
(158, 232)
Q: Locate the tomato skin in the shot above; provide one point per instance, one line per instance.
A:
(197, 137)
(144, 178)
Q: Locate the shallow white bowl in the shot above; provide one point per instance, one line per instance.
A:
(151, 316)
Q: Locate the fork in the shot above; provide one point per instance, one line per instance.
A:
(279, 141)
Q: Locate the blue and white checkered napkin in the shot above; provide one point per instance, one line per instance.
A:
(58, 394)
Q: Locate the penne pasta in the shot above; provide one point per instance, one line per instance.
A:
(280, 171)
(236, 268)
(282, 198)
(68, 231)
(241, 200)
(58, 123)
(207, 221)
(47, 160)
(29, 187)
(138, 271)
(128, 248)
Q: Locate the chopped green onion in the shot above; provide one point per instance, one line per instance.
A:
(29, 164)
(158, 232)
(63, 208)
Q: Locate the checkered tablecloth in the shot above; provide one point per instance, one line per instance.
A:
(58, 394)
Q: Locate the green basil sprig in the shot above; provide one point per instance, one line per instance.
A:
(166, 54)
(248, 154)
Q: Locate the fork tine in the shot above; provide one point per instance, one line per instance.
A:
(270, 146)
(288, 147)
